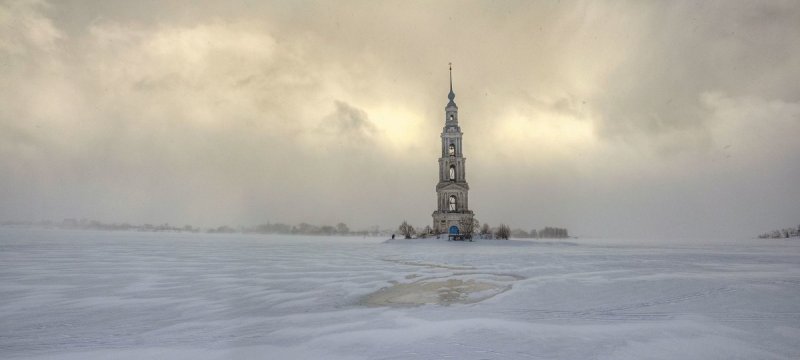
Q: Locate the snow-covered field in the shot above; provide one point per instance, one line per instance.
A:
(79, 295)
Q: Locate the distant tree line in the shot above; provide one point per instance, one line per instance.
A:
(468, 228)
(303, 228)
(550, 233)
(268, 228)
(473, 228)
(86, 224)
(782, 233)
(546, 233)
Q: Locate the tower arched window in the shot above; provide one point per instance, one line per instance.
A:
(451, 117)
(452, 203)
(452, 172)
(451, 150)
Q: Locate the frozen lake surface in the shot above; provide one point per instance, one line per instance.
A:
(79, 295)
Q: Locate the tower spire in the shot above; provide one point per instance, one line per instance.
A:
(451, 76)
(451, 95)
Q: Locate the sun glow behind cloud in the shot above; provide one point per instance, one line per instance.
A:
(400, 128)
(546, 136)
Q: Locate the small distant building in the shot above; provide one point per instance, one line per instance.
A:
(452, 190)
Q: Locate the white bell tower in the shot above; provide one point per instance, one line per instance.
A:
(451, 191)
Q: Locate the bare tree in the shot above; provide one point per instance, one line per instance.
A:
(485, 230)
(468, 227)
(503, 232)
(406, 230)
(425, 232)
(342, 229)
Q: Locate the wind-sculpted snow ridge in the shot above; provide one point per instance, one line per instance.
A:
(117, 295)
(428, 264)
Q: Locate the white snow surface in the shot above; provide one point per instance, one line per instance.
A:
(128, 295)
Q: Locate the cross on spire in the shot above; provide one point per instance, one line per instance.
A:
(451, 76)
(451, 95)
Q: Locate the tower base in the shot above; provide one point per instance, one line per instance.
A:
(443, 222)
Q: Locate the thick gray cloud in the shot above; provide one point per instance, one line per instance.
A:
(617, 118)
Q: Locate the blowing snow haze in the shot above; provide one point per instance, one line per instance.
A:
(609, 118)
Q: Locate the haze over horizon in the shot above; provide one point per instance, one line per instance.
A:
(632, 119)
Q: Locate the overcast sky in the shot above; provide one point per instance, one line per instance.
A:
(632, 119)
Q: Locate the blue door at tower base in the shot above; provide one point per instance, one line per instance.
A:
(453, 234)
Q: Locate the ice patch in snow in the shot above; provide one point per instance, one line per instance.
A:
(458, 289)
